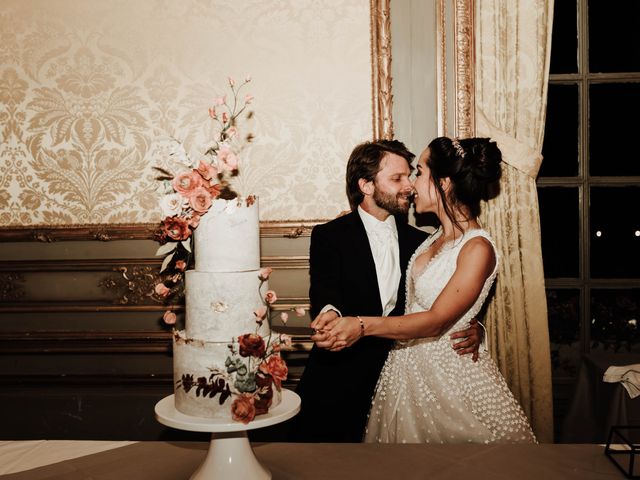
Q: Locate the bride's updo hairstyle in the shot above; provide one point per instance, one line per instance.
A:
(472, 164)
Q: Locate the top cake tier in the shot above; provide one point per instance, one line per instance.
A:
(228, 237)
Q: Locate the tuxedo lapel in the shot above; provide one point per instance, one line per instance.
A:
(362, 257)
(403, 245)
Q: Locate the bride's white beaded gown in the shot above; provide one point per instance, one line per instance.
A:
(427, 393)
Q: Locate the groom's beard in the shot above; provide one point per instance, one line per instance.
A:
(394, 204)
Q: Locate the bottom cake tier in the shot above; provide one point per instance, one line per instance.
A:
(212, 380)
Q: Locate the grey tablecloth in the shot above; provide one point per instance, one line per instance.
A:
(175, 461)
(597, 405)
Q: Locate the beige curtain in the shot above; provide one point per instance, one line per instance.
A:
(513, 41)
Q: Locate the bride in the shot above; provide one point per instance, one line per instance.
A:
(426, 391)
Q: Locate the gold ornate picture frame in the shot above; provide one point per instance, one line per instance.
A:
(455, 60)
(382, 127)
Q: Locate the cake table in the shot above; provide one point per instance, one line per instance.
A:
(230, 454)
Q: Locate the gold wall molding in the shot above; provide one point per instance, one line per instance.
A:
(457, 97)
(441, 68)
(103, 342)
(89, 342)
(143, 231)
(465, 62)
(382, 97)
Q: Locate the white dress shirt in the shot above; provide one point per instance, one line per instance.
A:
(383, 239)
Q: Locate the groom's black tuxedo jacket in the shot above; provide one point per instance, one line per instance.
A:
(336, 387)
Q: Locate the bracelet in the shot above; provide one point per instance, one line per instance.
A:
(361, 325)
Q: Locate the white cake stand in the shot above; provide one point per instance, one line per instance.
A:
(230, 454)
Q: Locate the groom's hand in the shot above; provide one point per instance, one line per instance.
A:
(322, 324)
(471, 339)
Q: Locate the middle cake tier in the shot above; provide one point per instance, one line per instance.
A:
(220, 306)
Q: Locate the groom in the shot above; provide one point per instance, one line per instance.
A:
(357, 267)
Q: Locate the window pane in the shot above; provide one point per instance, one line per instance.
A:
(564, 331)
(614, 36)
(615, 318)
(564, 42)
(615, 232)
(614, 123)
(559, 224)
(560, 147)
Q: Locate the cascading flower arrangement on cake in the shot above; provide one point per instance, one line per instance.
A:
(227, 362)
(190, 191)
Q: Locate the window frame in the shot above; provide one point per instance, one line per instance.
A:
(584, 182)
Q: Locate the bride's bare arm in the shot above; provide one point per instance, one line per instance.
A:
(475, 263)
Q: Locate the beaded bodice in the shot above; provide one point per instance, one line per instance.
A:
(424, 286)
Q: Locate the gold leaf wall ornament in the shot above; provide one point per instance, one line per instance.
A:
(136, 286)
(11, 287)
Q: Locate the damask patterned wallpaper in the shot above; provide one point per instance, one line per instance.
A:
(89, 89)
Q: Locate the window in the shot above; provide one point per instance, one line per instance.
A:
(589, 183)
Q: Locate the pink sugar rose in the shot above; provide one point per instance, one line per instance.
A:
(187, 182)
(200, 200)
(260, 313)
(206, 170)
(181, 265)
(212, 113)
(248, 98)
(243, 408)
(225, 117)
(228, 160)
(284, 316)
(264, 273)
(299, 311)
(275, 367)
(169, 317)
(270, 297)
(162, 290)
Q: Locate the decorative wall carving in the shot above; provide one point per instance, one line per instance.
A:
(11, 287)
(381, 69)
(291, 229)
(465, 88)
(135, 286)
(462, 91)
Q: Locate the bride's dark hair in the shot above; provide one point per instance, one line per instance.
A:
(472, 164)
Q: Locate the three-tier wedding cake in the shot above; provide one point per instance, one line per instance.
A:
(224, 361)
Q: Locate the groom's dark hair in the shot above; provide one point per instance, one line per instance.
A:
(364, 162)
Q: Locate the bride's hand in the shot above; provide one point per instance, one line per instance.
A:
(346, 331)
(469, 340)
